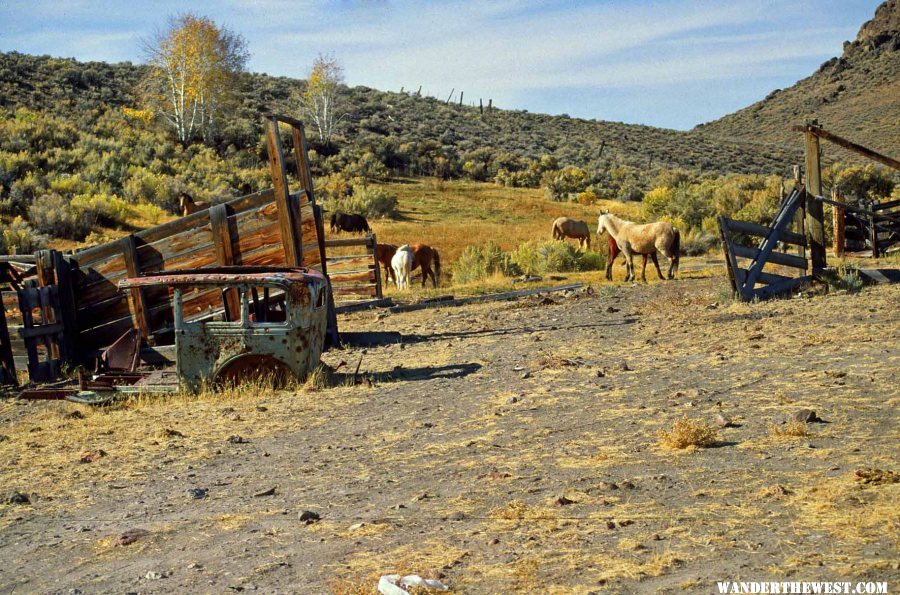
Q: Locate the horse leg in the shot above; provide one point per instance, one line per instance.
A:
(656, 262)
(644, 268)
(629, 264)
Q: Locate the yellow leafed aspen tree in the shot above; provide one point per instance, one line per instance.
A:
(321, 103)
(193, 65)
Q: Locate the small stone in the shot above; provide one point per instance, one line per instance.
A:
(512, 400)
(657, 537)
(805, 416)
(75, 415)
(170, 433)
(601, 373)
(610, 525)
(89, 456)
(722, 421)
(130, 536)
(356, 526)
(3, 437)
(152, 575)
(457, 516)
(195, 566)
(493, 541)
(563, 501)
(198, 493)
(625, 523)
(607, 486)
(526, 375)
(262, 408)
(627, 485)
(237, 440)
(17, 498)
(623, 365)
(309, 517)
(269, 492)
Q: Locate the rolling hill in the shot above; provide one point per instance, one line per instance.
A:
(856, 95)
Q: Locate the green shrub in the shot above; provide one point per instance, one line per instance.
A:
(844, 277)
(541, 257)
(369, 202)
(18, 237)
(479, 262)
(695, 242)
(53, 215)
(101, 209)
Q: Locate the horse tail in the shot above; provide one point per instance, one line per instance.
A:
(676, 249)
(437, 265)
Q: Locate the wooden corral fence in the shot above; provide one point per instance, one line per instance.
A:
(78, 294)
(355, 274)
(739, 242)
(875, 227)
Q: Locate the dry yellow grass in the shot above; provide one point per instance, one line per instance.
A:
(792, 429)
(686, 433)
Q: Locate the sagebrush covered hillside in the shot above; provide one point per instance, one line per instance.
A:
(856, 95)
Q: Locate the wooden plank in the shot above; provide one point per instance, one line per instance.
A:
(730, 260)
(290, 241)
(364, 305)
(883, 206)
(849, 145)
(507, 295)
(781, 258)
(378, 283)
(7, 360)
(838, 221)
(133, 269)
(780, 288)
(221, 232)
(754, 229)
(301, 156)
(781, 223)
(340, 243)
(67, 304)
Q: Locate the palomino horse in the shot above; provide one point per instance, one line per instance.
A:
(564, 227)
(402, 265)
(648, 239)
(383, 254)
(423, 256)
(188, 205)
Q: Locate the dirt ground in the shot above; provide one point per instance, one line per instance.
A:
(502, 447)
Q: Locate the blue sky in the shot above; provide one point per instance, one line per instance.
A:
(670, 63)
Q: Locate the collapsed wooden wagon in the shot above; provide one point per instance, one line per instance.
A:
(65, 310)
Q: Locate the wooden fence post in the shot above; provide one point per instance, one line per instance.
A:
(815, 227)
(873, 234)
(838, 221)
(290, 228)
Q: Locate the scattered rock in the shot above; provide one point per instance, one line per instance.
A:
(75, 415)
(17, 498)
(195, 566)
(493, 541)
(657, 537)
(237, 440)
(756, 337)
(610, 525)
(712, 306)
(170, 433)
(601, 373)
(835, 373)
(356, 526)
(562, 501)
(626, 523)
(269, 492)
(623, 365)
(263, 408)
(130, 536)
(3, 437)
(777, 491)
(512, 400)
(606, 486)
(308, 517)
(627, 485)
(611, 310)
(152, 575)
(197, 493)
(526, 375)
(722, 421)
(457, 516)
(89, 456)
(806, 416)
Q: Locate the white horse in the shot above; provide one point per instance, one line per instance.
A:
(648, 239)
(402, 264)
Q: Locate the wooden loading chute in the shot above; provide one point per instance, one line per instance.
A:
(276, 227)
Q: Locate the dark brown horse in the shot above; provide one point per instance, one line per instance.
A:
(424, 256)
(383, 254)
(189, 205)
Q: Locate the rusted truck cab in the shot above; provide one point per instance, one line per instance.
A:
(240, 323)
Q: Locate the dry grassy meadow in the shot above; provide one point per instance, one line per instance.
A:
(559, 445)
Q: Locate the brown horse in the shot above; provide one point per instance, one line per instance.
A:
(383, 254)
(614, 253)
(189, 205)
(424, 256)
(564, 227)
